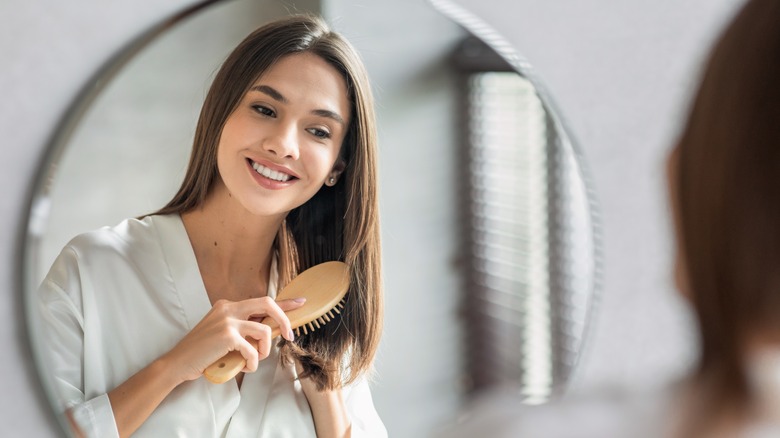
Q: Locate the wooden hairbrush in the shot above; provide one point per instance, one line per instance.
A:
(324, 287)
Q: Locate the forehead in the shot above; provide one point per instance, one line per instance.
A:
(307, 79)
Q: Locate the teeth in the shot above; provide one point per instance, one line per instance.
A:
(270, 174)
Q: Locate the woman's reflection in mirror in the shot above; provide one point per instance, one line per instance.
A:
(725, 197)
(282, 177)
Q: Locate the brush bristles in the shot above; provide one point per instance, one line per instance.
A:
(322, 320)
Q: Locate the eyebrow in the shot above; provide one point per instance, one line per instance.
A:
(329, 114)
(277, 96)
(271, 92)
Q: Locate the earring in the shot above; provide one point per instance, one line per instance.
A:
(332, 180)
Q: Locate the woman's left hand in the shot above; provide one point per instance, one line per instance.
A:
(327, 408)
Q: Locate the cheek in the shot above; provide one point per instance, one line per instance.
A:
(237, 129)
(221, 160)
(228, 164)
(321, 162)
(231, 141)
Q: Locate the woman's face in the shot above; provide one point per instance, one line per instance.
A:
(282, 142)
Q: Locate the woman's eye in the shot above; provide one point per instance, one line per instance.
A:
(268, 112)
(319, 133)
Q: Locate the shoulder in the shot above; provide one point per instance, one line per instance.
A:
(128, 235)
(131, 242)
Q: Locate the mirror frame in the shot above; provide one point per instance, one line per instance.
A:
(495, 41)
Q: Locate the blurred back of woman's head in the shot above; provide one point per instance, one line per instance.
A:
(726, 192)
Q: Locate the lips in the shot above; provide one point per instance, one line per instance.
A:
(272, 174)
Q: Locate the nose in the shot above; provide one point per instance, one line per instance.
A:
(282, 141)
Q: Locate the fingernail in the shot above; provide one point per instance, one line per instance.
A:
(292, 335)
(300, 300)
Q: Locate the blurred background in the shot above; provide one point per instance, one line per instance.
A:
(619, 74)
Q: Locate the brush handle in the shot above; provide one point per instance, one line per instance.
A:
(233, 363)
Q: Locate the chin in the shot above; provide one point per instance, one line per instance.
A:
(266, 208)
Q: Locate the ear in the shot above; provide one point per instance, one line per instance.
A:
(335, 173)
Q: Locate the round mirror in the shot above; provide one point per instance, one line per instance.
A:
(490, 252)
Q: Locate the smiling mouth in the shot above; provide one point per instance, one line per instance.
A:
(269, 173)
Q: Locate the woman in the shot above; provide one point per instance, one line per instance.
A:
(725, 194)
(724, 190)
(282, 177)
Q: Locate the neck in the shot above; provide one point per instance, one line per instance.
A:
(232, 246)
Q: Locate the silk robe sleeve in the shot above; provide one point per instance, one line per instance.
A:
(361, 412)
(60, 310)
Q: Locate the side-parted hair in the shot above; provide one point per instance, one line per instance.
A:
(726, 193)
(337, 223)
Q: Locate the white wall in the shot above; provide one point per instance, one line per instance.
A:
(419, 361)
(620, 72)
(48, 50)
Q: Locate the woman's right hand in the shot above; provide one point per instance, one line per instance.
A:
(224, 329)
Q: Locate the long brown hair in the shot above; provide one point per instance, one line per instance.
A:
(726, 193)
(337, 223)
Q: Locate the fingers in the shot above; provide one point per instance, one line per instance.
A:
(261, 306)
(261, 333)
(253, 341)
(256, 308)
(264, 345)
(265, 306)
(288, 305)
(250, 354)
(257, 345)
(277, 314)
(227, 327)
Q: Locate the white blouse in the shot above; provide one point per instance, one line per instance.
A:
(118, 298)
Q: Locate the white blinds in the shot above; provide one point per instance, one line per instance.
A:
(509, 192)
